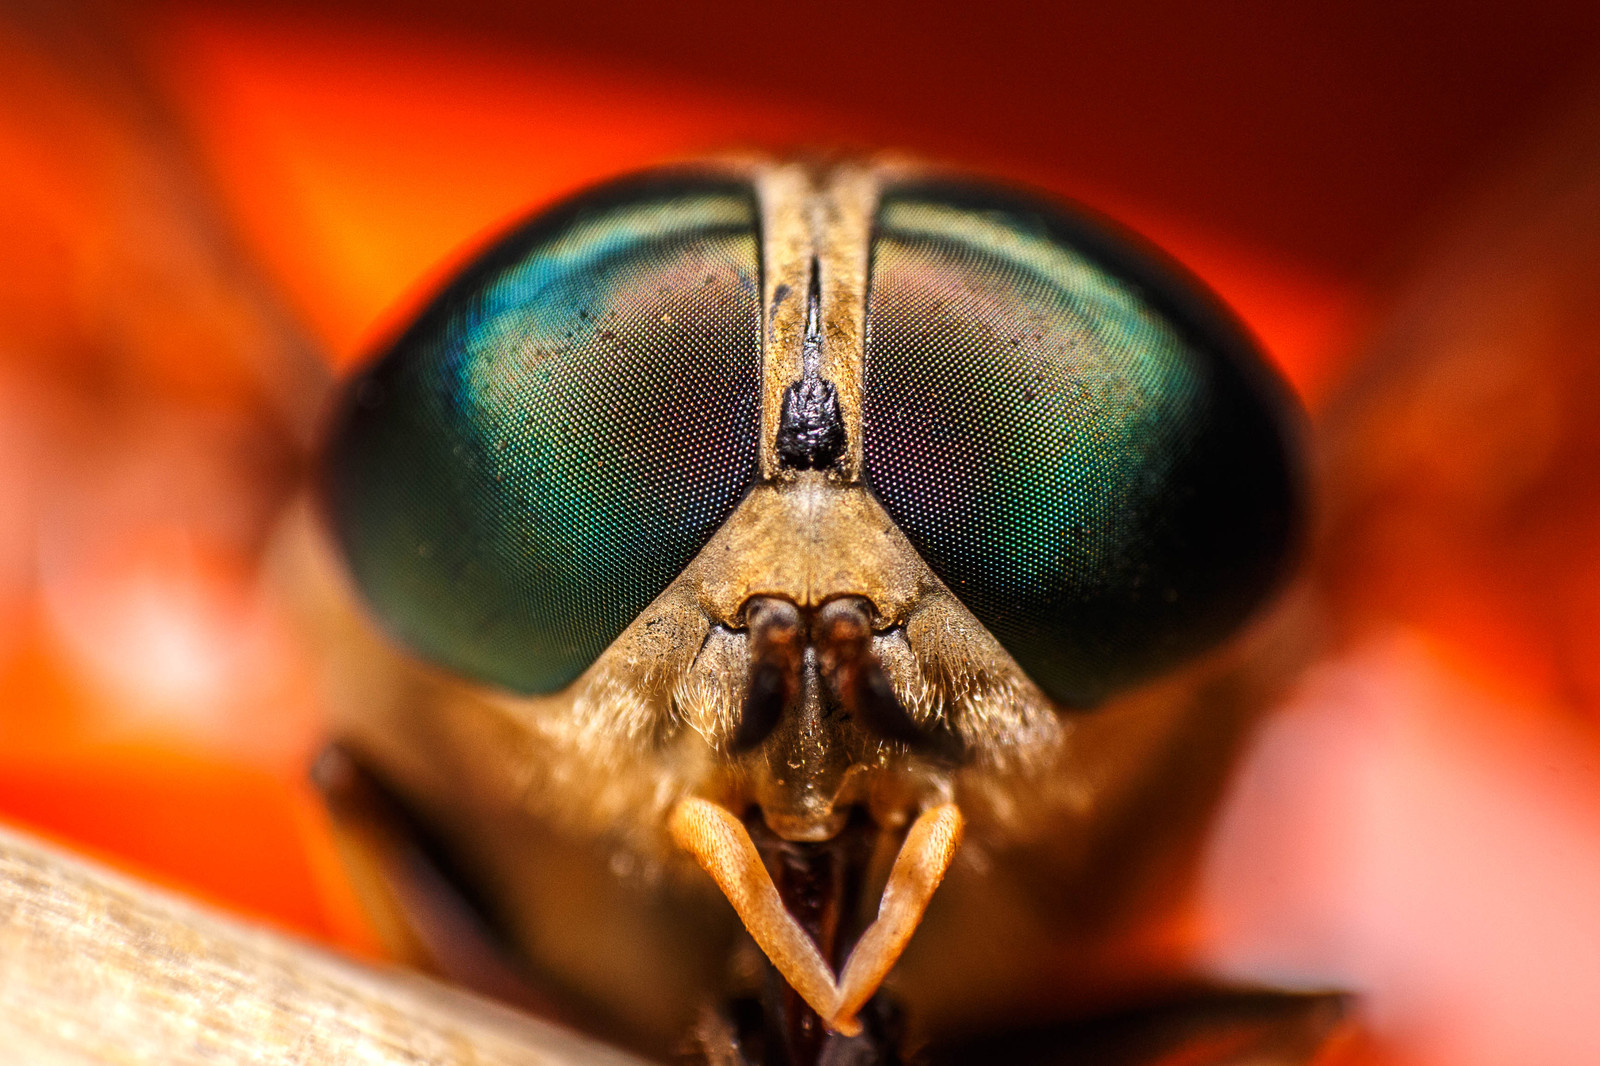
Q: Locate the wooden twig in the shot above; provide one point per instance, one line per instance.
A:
(98, 969)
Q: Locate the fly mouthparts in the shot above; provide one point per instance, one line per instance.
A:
(721, 844)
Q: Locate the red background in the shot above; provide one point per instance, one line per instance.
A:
(1294, 160)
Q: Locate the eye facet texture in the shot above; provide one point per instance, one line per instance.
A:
(559, 433)
(1080, 445)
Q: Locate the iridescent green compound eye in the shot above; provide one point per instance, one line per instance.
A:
(1074, 436)
(559, 433)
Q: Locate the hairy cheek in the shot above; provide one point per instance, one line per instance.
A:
(1428, 842)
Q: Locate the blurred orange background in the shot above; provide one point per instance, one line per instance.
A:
(291, 178)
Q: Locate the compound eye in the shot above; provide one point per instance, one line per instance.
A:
(558, 433)
(1074, 435)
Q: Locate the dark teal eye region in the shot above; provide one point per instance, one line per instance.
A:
(559, 433)
(1076, 438)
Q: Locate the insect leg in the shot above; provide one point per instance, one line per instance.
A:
(1195, 1026)
(425, 912)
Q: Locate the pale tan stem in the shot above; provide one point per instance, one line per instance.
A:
(921, 865)
(96, 970)
(722, 845)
